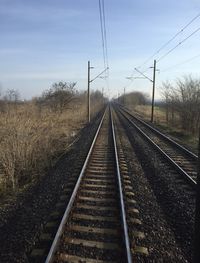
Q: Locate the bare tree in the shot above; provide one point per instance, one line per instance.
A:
(59, 96)
(12, 95)
(183, 100)
(11, 99)
(167, 94)
(188, 97)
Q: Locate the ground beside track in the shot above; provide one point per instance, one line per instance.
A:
(160, 238)
(22, 221)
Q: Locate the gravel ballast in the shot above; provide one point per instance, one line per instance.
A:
(166, 207)
(23, 217)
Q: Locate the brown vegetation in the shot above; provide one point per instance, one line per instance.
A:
(182, 104)
(33, 134)
(178, 112)
(132, 99)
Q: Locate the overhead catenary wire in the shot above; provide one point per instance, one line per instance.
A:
(181, 42)
(106, 47)
(104, 40)
(105, 34)
(171, 50)
(102, 32)
(181, 63)
(170, 40)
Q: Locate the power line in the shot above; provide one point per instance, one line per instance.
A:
(181, 63)
(171, 39)
(102, 32)
(104, 40)
(105, 34)
(172, 49)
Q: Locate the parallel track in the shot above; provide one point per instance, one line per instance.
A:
(184, 161)
(94, 228)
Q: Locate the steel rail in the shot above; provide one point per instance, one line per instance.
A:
(166, 156)
(123, 212)
(168, 139)
(56, 240)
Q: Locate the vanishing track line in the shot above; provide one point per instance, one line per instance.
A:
(184, 161)
(94, 228)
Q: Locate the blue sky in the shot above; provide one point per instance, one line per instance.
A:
(44, 41)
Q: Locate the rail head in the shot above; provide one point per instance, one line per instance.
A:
(192, 182)
(56, 240)
(122, 205)
(167, 138)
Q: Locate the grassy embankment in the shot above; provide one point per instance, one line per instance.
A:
(173, 129)
(33, 138)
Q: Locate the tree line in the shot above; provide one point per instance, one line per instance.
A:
(34, 133)
(180, 102)
(133, 99)
(57, 98)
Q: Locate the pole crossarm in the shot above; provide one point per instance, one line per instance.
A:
(143, 75)
(135, 78)
(99, 75)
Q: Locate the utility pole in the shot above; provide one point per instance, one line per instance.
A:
(88, 93)
(154, 82)
(196, 258)
(102, 92)
(153, 92)
(124, 95)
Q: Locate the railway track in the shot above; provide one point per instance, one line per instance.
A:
(184, 161)
(94, 227)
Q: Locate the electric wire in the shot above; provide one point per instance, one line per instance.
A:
(172, 49)
(170, 40)
(102, 32)
(106, 47)
(181, 42)
(105, 34)
(181, 63)
(104, 40)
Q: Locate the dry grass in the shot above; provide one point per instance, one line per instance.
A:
(145, 111)
(173, 128)
(31, 140)
(159, 115)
